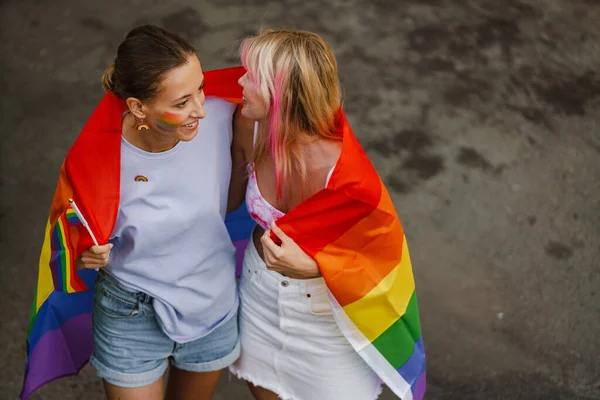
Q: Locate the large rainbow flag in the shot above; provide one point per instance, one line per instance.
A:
(350, 228)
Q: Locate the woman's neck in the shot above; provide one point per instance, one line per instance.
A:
(147, 140)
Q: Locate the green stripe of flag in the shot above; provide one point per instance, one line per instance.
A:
(397, 343)
(33, 313)
(63, 254)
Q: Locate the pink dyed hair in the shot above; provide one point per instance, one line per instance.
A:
(295, 73)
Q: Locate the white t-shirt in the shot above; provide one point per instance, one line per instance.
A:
(170, 239)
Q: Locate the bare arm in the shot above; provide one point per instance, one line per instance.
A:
(241, 149)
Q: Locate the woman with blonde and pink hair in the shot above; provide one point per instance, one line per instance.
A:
(297, 272)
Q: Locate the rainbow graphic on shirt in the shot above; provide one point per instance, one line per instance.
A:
(141, 178)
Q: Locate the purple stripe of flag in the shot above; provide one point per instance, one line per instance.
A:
(419, 388)
(59, 352)
(240, 248)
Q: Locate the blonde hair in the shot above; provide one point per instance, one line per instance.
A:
(296, 75)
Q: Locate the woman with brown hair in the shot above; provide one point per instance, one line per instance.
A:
(156, 196)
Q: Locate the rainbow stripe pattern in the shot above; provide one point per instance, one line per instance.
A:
(171, 119)
(352, 230)
(59, 336)
(62, 254)
(62, 260)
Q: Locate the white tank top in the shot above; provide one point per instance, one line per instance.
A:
(261, 211)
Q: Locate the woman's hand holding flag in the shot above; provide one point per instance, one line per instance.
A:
(94, 257)
(288, 258)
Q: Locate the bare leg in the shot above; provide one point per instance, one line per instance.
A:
(261, 393)
(154, 391)
(186, 385)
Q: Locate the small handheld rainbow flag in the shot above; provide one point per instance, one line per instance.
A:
(72, 217)
(81, 219)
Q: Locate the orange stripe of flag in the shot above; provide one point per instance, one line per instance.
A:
(362, 257)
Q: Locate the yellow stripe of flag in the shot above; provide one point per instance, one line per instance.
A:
(45, 282)
(372, 314)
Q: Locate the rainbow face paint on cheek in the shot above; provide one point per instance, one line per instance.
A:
(169, 121)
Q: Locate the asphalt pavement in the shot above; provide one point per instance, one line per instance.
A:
(480, 115)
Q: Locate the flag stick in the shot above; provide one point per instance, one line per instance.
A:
(83, 221)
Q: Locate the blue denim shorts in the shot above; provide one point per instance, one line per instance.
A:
(130, 348)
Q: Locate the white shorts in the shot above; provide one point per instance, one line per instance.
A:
(290, 341)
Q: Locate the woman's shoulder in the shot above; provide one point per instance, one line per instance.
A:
(324, 153)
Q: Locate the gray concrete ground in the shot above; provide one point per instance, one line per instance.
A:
(481, 115)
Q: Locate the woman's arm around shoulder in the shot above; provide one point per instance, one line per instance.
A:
(241, 150)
